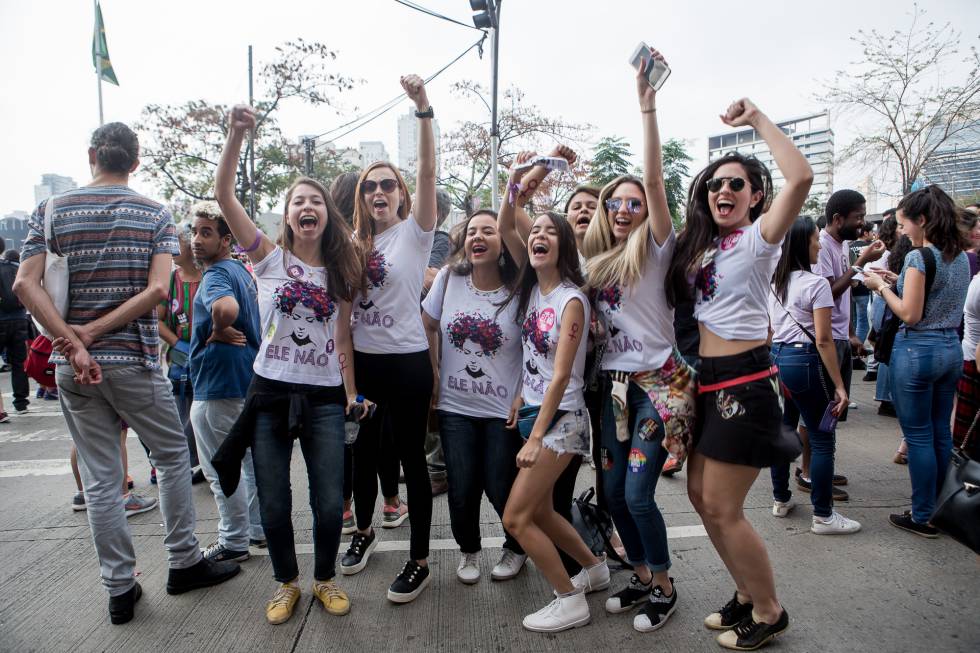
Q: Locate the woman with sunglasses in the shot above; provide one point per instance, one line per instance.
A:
(553, 314)
(391, 350)
(470, 321)
(650, 406)
(729, 248)
(303, 384)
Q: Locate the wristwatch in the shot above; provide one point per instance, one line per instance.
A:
(428, 113)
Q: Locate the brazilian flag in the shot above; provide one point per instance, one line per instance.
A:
(100, 50)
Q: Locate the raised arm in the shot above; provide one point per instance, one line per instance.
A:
(658, 213)
(506, 222)
(529, 186)
(241, 119)
(425, 180)
(790, 161)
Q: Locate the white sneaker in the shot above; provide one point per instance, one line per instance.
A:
(592, 579)
(561, 614)
(782, 508)
(836, 524)
(468, 571)
(509, 566)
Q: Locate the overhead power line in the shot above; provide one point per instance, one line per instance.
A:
(434, 14)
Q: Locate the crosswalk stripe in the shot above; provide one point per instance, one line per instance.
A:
(43, 467)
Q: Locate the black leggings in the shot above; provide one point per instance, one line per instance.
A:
(562, 499)
(401, 386)
(388, 467)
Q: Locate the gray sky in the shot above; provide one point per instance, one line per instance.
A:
(568, 56)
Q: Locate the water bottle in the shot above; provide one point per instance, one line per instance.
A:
(351, 424)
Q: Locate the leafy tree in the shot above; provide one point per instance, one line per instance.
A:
(610, 160)
(182, 143)
(913, 100)
(676, 172)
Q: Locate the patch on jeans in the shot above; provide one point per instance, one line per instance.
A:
(637, 461)
(728, 406)
(605, 459)
(648, 428)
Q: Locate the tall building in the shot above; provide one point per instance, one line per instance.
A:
(372, 151)
(13, 229)
(408, 142)
(955, 166)
(810, 133)
(52, 184)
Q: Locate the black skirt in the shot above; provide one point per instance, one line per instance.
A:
(742, 424)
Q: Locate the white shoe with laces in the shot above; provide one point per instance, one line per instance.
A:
(836, 524)
(592, 579)
(468, 571)
(509, 566)
(782, 508)
(563, 613)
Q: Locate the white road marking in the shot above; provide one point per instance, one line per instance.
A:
(48, 467)
(43, 435)
(673, 533)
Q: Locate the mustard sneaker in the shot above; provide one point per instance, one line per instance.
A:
(280, 608)
(334, 599)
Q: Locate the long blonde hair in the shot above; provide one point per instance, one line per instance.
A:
(610, 262)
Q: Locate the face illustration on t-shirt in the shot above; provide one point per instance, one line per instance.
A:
(377, 272)
(610, 301)
(536, 330)
(708, 277)
(477, 338)
(302, 304)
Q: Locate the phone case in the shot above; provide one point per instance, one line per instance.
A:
(829, 421)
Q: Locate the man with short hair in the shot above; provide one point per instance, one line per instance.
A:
(225, 338)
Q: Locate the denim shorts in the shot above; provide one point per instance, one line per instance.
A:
(570, 434)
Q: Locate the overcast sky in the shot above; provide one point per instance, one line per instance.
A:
(568, 56)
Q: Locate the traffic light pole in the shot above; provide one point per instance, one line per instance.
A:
(494, 132)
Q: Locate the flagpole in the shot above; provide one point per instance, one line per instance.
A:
(98, 74)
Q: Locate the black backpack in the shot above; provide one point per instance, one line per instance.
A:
(8, 300)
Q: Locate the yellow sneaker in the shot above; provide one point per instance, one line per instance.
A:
(280, 608)
(334, 599)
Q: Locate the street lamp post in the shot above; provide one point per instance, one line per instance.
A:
(489, 18)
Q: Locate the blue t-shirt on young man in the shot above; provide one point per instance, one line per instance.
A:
(220, 370)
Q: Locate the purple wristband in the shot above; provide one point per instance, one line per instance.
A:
(255, 245)
(512, 193)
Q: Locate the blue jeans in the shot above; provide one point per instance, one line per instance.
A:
(324, 455)
(480, 455)
(800, 371)
(924, 369)
(883, 391)
(630, 472)
(861, 324)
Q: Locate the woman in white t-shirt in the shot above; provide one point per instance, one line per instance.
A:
(391, 351)
(553, 314)
(803, 349)
(475, 344)
(304, 382)
(648, 403)
(729, 249)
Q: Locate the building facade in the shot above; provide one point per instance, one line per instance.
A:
(52, 184)
(955, 166)
(408, 142)
(13, 229)
(810, 133)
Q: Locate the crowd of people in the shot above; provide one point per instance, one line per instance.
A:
(537, 341)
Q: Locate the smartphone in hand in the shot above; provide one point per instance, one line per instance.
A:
(656, 74)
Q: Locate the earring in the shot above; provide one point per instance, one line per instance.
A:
(500, 261)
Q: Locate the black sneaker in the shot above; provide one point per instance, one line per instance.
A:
(839, 479)
(749, 634)
(656, 610)
(802, 483)
(122, 607)
(887, 409)
(870, 376)
(204, 574)
(409, 584)
(257, 543)
(197, 476)
(905, 522)
(859, 365)
(729, 615)
(806, 486)
(358, 553)
(629, 597)
(220, 553)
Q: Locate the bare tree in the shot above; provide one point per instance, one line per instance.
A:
(907, 87)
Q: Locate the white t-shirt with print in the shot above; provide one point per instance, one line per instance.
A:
(479, 370)
(733, 282)
(971, 320)
(299, 320)
(805, 293)
(639, 319)
(387, 318)
(539, 334)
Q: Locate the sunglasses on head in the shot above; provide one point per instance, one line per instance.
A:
(387, 185)
(735, 183)
(633, 205)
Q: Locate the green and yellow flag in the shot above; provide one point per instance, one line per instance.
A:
(100, 50)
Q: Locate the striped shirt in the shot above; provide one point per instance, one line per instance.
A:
(109, 234)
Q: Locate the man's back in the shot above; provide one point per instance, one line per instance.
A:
(109, 234)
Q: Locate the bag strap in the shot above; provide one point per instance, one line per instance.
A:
(49, 240)
(969, 433)
(812, 338)
(930, 262)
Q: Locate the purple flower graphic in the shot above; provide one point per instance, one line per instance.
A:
(377, 268)
(483, 331)
(612, 296)
(310, 295)
(537, 337)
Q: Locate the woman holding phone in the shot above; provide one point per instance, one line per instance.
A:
(553, 315)
(729, 248)
(303, 374)
(803, 348)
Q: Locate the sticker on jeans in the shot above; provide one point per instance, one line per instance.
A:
(728, 406)
(648, 428)
(605, 459)
(637, 461)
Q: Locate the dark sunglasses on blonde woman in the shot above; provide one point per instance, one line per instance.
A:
(735, 183)
(387, 185)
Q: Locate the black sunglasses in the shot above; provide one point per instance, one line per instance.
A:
(735, 183)
(387, 185)
(633, 205)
